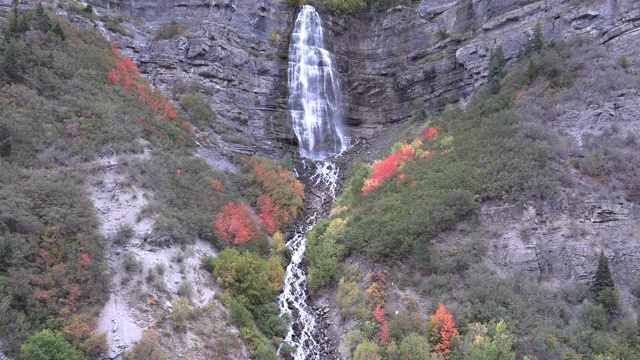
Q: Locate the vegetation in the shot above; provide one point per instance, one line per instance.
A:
(169, 30)
(414, 212)
(279, 196)
(89, 101)
(603, 288)
(496, 70)
(46, 345)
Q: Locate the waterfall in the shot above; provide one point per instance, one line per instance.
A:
(314, 105)
(314, 90)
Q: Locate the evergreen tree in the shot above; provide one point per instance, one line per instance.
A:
(603, 286)
(603, 277)
(538, 40)
(10, 67)
(532, 71)
(5, 151)
(496, 70)
(58, 31)
(41, 19)
(15, 18)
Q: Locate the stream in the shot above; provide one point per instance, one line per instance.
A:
(304, 332)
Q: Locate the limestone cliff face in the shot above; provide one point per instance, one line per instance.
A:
(393, 63)
(436, 52)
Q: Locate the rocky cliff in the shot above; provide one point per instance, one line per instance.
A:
(393, 63)
(436, 52)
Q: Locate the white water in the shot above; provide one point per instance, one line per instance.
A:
(314, 104)
(293, 299)
(314, 100)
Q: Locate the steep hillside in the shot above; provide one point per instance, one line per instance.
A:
(501, 208)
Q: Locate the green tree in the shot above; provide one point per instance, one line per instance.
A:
(415, 347)
(483, 346)
(603, 277)
(46, 345)
(10, 66)
(538, 39)
(244, 275)
(603, 286)
(5, 143)
(14, 21)
(367, 351)
(532, 70)
(41, 19)
(496, 69)
(57, 29)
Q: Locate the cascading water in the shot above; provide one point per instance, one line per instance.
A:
(314, 100)
(315, 110)
(304, 332)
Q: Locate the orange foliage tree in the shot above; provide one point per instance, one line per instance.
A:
(442, 329)
(280, 196)
(237, 224)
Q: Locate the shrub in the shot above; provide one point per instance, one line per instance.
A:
(414, 347)
(148, 347)
(367, 351)
(46, 345)
(279, 195)
(245, 276)
(238, 225)
(325, 253)
(442, 330)
(185, 289)
(197, 110)
(270, 322)
(181, 313)
(348, 6)
(124, 233)
(168, 31)
(131, 263)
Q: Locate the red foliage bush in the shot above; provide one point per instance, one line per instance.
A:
(378, 314)
(280, 196)
(384, 169)
(126, 74)
(430, 132)
(237, 224)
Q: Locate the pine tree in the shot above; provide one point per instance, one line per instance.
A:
(532, 71)
(15, 17)
(603, 277)
(42, 20)
(10, 66)
(496, 70)
(58, 31)
(603, 286)
(5, 151)
(538, 40)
